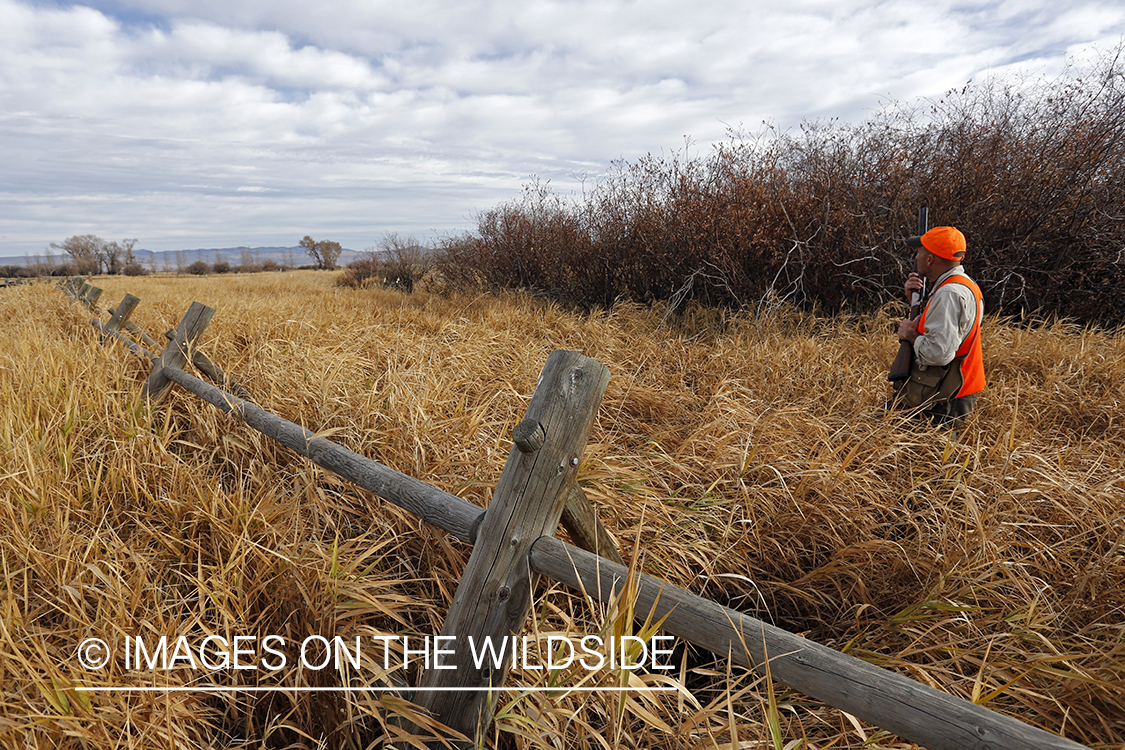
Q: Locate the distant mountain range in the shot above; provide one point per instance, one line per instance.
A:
(236, 256)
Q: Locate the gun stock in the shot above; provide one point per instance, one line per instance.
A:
(904, 360)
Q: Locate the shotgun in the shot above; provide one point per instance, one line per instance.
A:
(904, 360)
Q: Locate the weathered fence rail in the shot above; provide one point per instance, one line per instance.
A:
(908, 708)
(514, 540)
(445, 510)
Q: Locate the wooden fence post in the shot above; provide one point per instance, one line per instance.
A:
(494, 594)
(176, 353)
(578, 516)
(134, 329)
(89, 298)
(121, 313)
(112, 329)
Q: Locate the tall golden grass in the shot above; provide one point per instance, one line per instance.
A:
(746, 457)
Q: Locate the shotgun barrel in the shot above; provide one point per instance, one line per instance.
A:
(904, 360)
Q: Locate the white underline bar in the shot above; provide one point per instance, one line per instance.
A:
(282, 689)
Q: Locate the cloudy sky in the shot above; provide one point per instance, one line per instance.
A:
(212, 123)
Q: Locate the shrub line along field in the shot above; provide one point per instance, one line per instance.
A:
(745, 455)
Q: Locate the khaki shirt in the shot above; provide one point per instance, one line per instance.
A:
(949, 319)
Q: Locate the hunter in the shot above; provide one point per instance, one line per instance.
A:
(948, 370)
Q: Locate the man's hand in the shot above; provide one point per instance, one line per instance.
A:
(914, 283)
(908, 330)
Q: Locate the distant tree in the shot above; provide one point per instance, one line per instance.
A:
(85, 251)
(324, 252)
(109, 256)
(309, 244)
(330, 252)
(127, 246)
(34, 265)
(91, 254)
(199, 268)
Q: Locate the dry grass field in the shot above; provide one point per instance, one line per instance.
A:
(746, 457)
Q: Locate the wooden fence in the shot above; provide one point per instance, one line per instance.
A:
(513, 542)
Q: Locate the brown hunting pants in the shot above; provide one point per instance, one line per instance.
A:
(949, 414)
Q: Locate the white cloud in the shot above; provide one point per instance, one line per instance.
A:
(207, 122)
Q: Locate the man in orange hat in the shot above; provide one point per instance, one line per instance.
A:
(948, 370)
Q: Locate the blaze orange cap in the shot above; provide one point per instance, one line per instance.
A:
(944, 242)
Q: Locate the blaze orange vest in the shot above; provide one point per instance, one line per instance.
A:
(972, 366)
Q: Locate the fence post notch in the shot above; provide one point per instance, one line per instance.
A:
(193, 325)
(494, 595)
(585, 528)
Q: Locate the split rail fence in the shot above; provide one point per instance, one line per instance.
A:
(513, 542)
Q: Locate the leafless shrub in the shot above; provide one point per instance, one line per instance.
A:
(360, 270)
(405, 261)
(1030, 171)
(399, 263)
